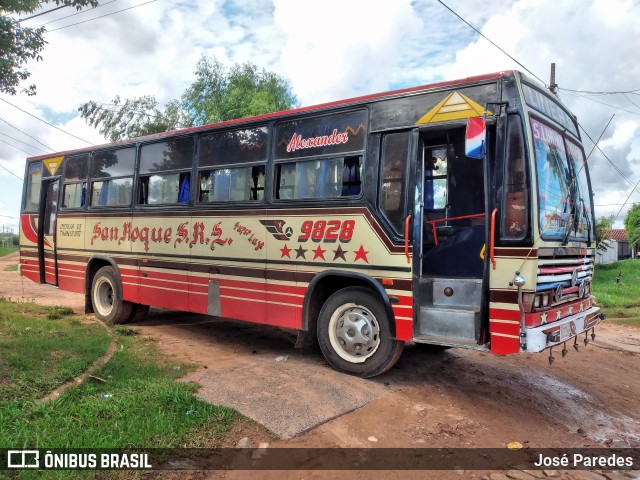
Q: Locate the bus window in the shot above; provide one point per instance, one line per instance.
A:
(74, 191)
(232, 184)
(34, 183)
(165, 172)
(435, 194)
(320, 178)
(393, 181)
(515, 208)
(228, 181)
(112, 177)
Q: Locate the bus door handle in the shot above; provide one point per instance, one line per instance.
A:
(406, 238)
(492, 241)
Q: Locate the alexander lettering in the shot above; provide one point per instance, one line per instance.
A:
(297, 142)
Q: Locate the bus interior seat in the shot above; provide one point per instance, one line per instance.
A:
(457, 255)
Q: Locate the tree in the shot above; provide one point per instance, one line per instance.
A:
(19, 45)
(603, 241)
(632, 225)
(216, 95)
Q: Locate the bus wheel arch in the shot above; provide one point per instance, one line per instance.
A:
(326, 284)
(354, 333)
(103, 287)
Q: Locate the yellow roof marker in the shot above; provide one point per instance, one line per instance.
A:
(52, 164)
(453, 107)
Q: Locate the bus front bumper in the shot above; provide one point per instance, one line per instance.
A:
(551, 334)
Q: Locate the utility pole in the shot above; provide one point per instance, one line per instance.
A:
(553, 86)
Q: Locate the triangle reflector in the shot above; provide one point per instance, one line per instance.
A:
(455, 106)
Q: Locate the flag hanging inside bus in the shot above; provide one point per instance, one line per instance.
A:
(475, 137)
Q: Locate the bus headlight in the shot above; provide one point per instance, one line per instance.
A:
(545, 300)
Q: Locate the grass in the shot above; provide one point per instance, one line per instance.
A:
(11, 268)
(621, 300)
(134, 400)
(7, 250)
(43, 347)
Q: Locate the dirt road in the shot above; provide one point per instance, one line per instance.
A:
(451, 398)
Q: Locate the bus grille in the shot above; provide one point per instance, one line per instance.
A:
(567, 275)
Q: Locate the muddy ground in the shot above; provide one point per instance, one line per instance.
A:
(450, 398)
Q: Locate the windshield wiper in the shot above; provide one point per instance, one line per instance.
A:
(570, 198)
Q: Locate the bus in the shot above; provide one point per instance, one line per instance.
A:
(457, 214)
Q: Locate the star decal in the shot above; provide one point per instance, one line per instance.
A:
(543, 318)
(558, 313)
(570, 309)
(300, 252)
(361, 254)
(339, 253)
(285, 252)
(318, 253)
(582, 307)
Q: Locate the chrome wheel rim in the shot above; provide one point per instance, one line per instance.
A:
(354, 332)
(103, 296)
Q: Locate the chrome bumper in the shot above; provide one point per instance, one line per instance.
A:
(551, 334)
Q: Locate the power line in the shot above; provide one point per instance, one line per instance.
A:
(17, 148)
(11, 172)
(602, 103)
(25, 143)
(25, 133)
(629, 100)
(490, 41)
(610, 205)
(44, 121)
(101, 16)
(77, 13)
(42, 13)
(599, 93)
(8, 216)
(629, 181)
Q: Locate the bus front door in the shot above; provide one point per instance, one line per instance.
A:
(450, 240)
(47, 231)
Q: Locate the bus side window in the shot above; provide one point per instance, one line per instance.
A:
(112, 177)
(231, 165)
(320, 178)
(74, 190)
(393, 179)
(352, 177)
(34, 183)
(231, 184)
(165, 172)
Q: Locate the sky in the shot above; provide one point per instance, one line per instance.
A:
(329, 50)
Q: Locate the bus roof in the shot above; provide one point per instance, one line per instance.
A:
(283, 113)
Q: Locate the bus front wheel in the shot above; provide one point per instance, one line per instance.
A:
(354, 333)
(106, 296)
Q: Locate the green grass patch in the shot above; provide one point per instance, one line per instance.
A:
(12, 268)
(620, 299)
(6, 251)
(43, 347)
(135, 402)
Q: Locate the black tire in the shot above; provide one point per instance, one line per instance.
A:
(138, 312)
(106, 297)
(354, 333)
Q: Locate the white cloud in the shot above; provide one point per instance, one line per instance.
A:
(339, 48)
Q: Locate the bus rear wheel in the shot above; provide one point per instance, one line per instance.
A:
(106, 296)
(354, 333)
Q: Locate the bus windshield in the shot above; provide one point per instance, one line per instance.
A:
(563, 187)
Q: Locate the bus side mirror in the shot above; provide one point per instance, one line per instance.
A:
(475, 137)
